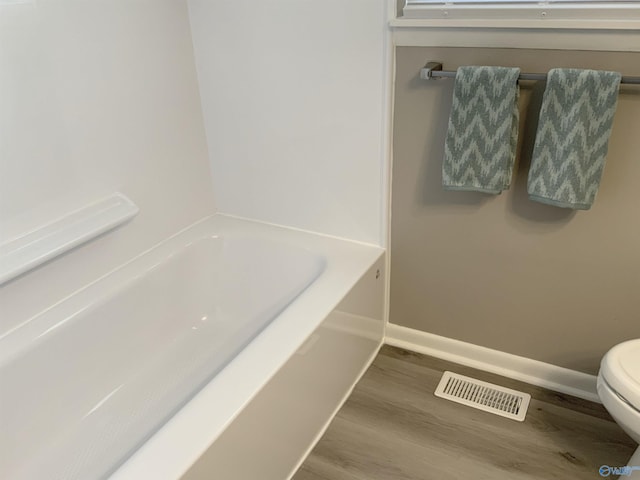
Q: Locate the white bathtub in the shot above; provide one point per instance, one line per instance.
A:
(136, 375)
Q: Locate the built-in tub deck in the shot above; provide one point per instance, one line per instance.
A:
(170, 346)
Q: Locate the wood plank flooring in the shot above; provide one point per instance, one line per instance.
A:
(393, 427)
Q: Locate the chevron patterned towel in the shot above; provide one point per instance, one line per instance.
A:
(572, 139)
(483, 130)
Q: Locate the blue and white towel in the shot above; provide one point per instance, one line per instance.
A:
(480, 147)
(573, 136)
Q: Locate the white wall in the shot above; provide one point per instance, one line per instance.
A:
(293, 96)
(95, 97)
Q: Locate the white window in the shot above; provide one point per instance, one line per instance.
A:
(614, 10)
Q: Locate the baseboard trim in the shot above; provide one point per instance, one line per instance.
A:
(538, 373)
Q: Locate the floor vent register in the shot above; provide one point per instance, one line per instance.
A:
(483, 396)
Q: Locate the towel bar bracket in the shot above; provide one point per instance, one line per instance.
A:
(426, 72)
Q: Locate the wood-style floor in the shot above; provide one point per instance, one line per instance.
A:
(393, 427)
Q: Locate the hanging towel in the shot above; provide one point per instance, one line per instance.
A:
(572, 139)
(483, 130)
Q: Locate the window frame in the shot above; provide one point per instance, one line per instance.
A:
(611, 14)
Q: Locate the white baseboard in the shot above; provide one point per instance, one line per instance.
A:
(538, 373)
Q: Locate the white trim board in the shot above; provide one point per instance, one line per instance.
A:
(421, 33)
(530, 371)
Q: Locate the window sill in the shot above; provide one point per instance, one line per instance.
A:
(554, 34)
(502, 23)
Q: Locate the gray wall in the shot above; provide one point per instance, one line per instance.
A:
(501, 271)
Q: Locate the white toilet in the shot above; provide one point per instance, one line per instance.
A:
(619, 390)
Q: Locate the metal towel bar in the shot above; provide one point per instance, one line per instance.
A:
(434, 70)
